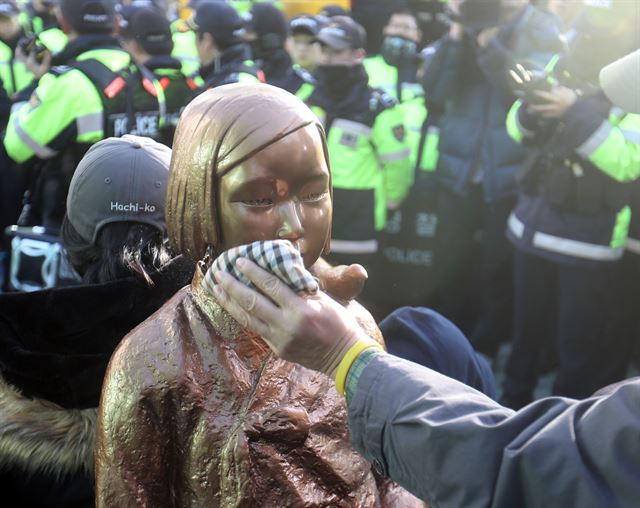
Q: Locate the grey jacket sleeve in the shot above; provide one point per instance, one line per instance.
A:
(454, 447)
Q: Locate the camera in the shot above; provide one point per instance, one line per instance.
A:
(33, 44)
(526, 82)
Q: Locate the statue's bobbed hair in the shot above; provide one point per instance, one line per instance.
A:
(218, 131)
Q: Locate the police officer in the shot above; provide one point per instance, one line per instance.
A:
(570, 223)
(224, 55)
(74, 106)
(146, 34)
(366, 134)
(301, 43)
(266, 31)
(395, 70)
(14, 74)
(38, 19)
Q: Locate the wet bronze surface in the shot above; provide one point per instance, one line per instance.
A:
(219, 131)
(197, 412)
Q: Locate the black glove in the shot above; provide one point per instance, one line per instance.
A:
(524, 83)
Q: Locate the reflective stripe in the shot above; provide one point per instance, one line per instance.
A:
(355, 127)
(395, 156)
(515, 225)
(633, 245)
(595, 140)
(576, 248)
(41, 151)
(354, 247)
(566, 246)
(633, 136)
(93, 122)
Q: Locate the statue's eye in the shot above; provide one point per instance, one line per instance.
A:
(314, 196)
(258, 202)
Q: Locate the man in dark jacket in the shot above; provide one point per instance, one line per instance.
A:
(477, 166)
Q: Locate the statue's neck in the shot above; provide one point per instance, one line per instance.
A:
(246, 344)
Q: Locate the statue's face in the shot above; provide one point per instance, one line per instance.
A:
(281, 193)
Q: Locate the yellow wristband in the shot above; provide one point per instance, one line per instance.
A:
(348, 359)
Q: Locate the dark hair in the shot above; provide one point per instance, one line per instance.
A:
(122, 249)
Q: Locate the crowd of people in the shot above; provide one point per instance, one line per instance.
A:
(478, 172)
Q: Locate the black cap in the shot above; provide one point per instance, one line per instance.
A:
(9, 8)
(305, 24)
(150, 28)
(90, 16)
(220, 20)
(342, 32)
(264, 18)
(331, 10)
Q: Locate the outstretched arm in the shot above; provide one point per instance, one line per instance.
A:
(443, 441)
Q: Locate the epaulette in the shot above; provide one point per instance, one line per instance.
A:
(381, 100)
(58, 70)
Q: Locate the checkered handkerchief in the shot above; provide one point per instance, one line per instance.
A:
(276, 256)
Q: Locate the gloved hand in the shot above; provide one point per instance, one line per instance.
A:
(526, 83)
(312, 330)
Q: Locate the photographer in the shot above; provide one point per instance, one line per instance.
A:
(478, 162)
(570, 224)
